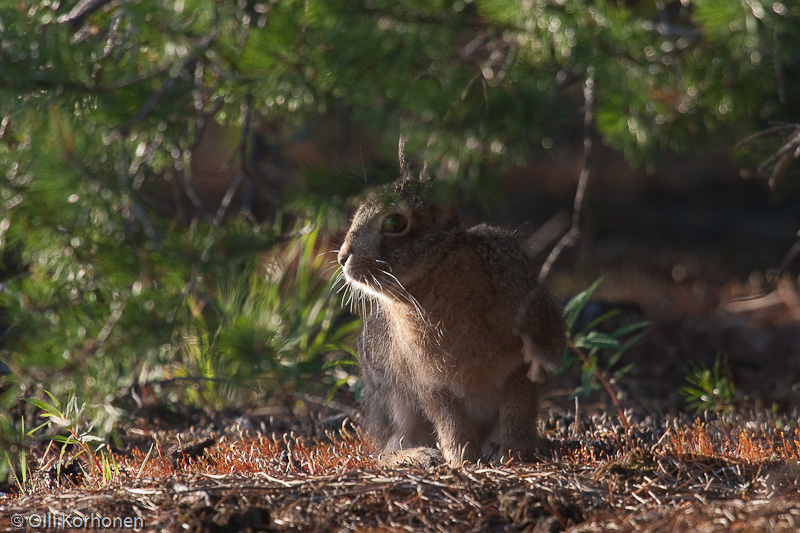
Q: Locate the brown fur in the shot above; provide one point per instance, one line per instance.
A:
(439, 357)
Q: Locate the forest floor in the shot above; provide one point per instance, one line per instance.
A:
(244, 473)
(302, 464)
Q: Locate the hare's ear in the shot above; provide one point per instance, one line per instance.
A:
(406, 172)
(445, 195)
(405, 167)
(423, 175)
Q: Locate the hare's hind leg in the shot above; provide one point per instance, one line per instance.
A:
(519, 436)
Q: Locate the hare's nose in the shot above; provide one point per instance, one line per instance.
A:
(344, 255)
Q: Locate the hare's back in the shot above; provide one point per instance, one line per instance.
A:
(507, 265)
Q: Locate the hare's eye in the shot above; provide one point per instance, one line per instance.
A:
(394, 224)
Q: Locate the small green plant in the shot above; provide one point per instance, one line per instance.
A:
(596, 350)
(68, 417)
(277, 328)
(710, 388)
(15, 460)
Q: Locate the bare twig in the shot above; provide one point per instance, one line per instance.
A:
(197, 102)
(241, 150)
(790, 256)
(187, 288)
(116, 314)
(784, 155)
(144, 220)
(92, 345)
(780, 161)
(190, 379)
(133, 210)
(753, 303)
(763, 133)
(574, 231)
(8, 328)
(768, 296)
(782, 158)
(226, 200)
(188, 66)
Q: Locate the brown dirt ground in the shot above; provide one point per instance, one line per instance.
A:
(729, 473)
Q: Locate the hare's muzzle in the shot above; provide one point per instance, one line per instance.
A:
(344, 255)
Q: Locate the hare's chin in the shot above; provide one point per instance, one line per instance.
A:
(370, 291)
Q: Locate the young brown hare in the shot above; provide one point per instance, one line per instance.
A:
(440, 359)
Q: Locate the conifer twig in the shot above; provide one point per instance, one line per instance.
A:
(81, 11)
(180, 171)
(151, 102)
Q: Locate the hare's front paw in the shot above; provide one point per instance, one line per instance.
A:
(457, 455)
(533, 451)
(421, 457)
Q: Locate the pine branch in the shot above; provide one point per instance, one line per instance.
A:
(153, 100)
(81, 12)
(179, 166)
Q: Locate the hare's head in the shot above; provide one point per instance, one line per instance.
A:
(398, 235)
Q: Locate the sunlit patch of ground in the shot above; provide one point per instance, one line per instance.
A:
(734, 472)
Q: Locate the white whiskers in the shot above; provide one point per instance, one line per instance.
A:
(396, 289)
(374, 287)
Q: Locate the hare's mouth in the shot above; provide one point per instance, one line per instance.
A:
(377, 282)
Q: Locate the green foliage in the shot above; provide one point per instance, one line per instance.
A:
(13, 458)
(598, 351)
(270, 330)
(18, 438)
(102, 293)
(59, 419)
(710, 388)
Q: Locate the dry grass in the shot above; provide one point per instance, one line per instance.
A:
(739, 473)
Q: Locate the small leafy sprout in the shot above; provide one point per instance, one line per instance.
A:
(68, 417)
(590, 343)
(14, 456)
(710, 388)
(53, 412)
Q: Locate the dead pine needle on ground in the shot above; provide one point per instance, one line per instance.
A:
(728, 473)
